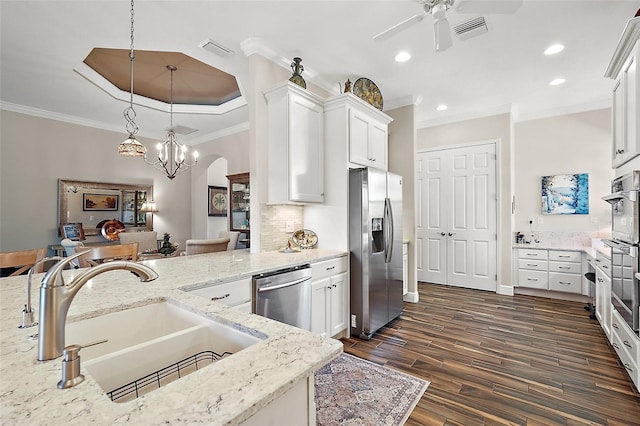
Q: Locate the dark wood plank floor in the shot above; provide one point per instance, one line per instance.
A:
(495, 359)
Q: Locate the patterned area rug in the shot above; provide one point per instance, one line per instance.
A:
(354, 391)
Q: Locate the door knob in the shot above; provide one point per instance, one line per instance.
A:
(443, 234)
(451, 234)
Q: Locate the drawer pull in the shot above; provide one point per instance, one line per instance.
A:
(532, 279)
(532, 254)
(626, 365)
(214, 298)
(563, 267)
(532, 264)
(562, 255)
(615, 345)
(627, 344)
(564, 282)
(605, 266)
(330, 268)
(614, 325)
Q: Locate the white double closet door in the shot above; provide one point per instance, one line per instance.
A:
(457, 219)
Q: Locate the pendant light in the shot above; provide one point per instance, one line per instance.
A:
(172, 155)
(130, 147)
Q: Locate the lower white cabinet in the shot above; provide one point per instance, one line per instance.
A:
(555, 270)
(235, 293)
(627, 346)
(405, 268)
(603, 293)
(329, 296)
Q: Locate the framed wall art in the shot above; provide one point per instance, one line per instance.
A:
(100, 202)
(72, 231)
(565, 194)
(218, 201)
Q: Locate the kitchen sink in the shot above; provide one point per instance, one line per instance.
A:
(157, 342)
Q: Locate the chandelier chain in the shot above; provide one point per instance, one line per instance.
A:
(129, 112)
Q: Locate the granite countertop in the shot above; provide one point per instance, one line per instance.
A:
(227, 392)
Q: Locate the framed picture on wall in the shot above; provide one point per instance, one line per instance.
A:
(565, 194)
(218, 201)
(72, 231)
(100, 202)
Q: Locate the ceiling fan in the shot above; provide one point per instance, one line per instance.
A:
(438, 8)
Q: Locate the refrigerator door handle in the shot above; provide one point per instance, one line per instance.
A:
(388, 223)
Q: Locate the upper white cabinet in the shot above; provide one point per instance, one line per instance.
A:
(295, 145)
(626, 95)
(367, 130)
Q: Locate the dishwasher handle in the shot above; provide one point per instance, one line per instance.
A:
(287, 284)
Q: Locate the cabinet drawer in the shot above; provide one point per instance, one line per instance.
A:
(569, 283)
(628, 339)
(328, 268)
(565, 256)
(533, 279)
(628, 363)
(566, 267)
(532, 254)
(230, 293)
(536, 265)
(604, 263)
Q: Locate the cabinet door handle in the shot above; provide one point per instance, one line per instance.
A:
(627, 344)
(334, 286)
(614, 325)
(615, 345)
(214, 298)
(620, 151)
(628, 367)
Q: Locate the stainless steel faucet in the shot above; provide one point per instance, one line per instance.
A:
(56, 297)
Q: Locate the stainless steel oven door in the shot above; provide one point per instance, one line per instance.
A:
(624, 200)
(625, 292)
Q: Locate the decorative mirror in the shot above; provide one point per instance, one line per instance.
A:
(93, 203)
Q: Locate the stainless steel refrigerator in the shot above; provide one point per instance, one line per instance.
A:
(375, 243)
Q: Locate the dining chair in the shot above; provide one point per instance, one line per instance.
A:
(233, 238)
(206, 246)
(23, 260)
(147, 241)
(100, 254)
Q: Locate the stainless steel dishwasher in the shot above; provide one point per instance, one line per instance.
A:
(284, 295)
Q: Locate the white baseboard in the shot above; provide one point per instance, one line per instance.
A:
(411, 297)
(506, 290)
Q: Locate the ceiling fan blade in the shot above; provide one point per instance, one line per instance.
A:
(442, 34)
(487, 6)
(399, 27)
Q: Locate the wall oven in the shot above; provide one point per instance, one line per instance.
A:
(625, 217)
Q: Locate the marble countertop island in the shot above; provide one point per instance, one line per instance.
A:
(226, 392)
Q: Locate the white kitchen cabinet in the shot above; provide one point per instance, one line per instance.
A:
(329, 297)
(603, 293)
(295, 145)
(366, 130)
(235, 293)
(627, 345)
(555, 270)
(623, 68)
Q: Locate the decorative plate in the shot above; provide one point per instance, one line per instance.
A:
(111, 229)
(367, 90)
(305, 239)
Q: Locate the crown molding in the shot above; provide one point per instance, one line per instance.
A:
(402, 102)
(210, 137)
(517, 117)
(630, 35)
(471, 115)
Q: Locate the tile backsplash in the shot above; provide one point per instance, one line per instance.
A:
(273, 222)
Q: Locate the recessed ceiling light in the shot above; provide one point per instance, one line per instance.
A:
(403, 56)
(557, 81)
(441, 107)
(553, 49)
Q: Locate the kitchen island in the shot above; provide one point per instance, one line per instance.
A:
(229, 391)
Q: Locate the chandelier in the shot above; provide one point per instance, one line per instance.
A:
(172, 155)
(130, 147)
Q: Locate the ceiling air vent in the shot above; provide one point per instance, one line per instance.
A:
(471, 28)
(216, 48)
(184, 130)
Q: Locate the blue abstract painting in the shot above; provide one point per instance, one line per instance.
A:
(565, 194)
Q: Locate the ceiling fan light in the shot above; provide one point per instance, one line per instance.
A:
(557, 82)
(553, 49)
(403, 56)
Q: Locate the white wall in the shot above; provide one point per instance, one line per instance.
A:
(567, 144)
